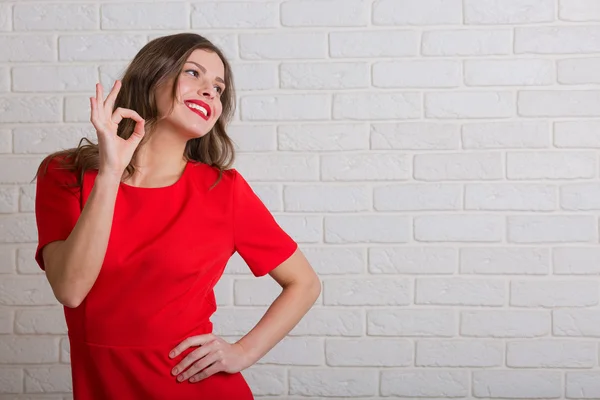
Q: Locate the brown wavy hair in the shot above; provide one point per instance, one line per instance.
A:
(157, 62)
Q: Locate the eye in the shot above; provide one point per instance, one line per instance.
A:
(219, 89)
(194, 73)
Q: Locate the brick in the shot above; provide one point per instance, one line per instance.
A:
(302, 229)
(505, 324)
(506, 135)
(555, 103)
(77, 109)
(18, 170)
(576, 260)
(255, 292)
(290, 107)
(416, 383)
(325, 13)
(580, 196)
(237, 266)
(54, 78)
(51, 17)
(509, 12)
(26, 291)
(415, 136)
(255, 76)
(367, 292)
(579, 10)
(577, 134)
(5, 17)
(333, 382)
(336, 260)
(236, 321)
(128, 16)
(367, 229)
(26, 263)
(65, 351)
(513, 197)
(551, 294)
(578, 71)
(5, 141)
(422, 322)
(326, 198)
(551, 354)
(504, 260)
(49, 139)
(11, 380)
(266, 381)
(459, 291)
(278, 167)
(5, 80)
(29, 109)
(392, 43)
(111, 73)
(323, 137)
(552, 229)
(455, 166)
(324, 75)
(368, 352)
(226, 42)
(417, 74)
(331, 322)
(41, 321)
(28, 349)
(270, 195)
(17, 228)
(7, 259)
(9, 199)
(28, 48)
(257, 46)
(365, 166)
(458, 228)
(237, 15)
(576, 323)
(551, 165)
(459, 353)
(557, 40)
(223, 291)
(418, 197)
(412, 260)
(297, 351)
(377, 106)
(425, 12)
(509, 72)
(457, 105)
(517, 384)
(55, 379)
(6, 320)
(582, 385)
(467, 42)
(99, 47)
(253, 138)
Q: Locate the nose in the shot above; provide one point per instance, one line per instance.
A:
(207, 90)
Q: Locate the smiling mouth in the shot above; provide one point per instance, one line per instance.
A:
(202, 109)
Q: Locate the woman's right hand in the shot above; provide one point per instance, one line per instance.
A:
(115, 152)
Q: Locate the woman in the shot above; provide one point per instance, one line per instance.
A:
(135, 232)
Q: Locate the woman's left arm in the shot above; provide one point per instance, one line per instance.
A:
(301, 288)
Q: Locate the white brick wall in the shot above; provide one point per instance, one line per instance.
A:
(435, 159)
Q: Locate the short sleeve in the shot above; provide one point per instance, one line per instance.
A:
(258, 238)
(57, 205)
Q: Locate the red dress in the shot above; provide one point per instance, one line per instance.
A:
(167, 249)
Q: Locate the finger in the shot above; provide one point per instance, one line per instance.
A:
(138, 133)
(121, 113)
(194, 356)
(109, 104)
(199, 367)
(191, 341)
(100, 101)
(210, 371)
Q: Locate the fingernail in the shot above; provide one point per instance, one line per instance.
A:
(193, 379)
(174, 371)
(180, 378)
(172, 354)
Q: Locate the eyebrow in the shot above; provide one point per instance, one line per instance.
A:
(218, 79)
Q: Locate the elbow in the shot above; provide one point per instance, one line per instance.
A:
(69, 300)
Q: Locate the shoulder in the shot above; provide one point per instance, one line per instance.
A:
(58, 168)
(207, 175)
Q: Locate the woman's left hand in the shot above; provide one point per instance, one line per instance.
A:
(212, 355)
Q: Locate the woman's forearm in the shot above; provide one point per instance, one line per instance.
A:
(282, 316)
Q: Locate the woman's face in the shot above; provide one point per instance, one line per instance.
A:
(197, 105)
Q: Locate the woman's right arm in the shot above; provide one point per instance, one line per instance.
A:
(73, 265)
